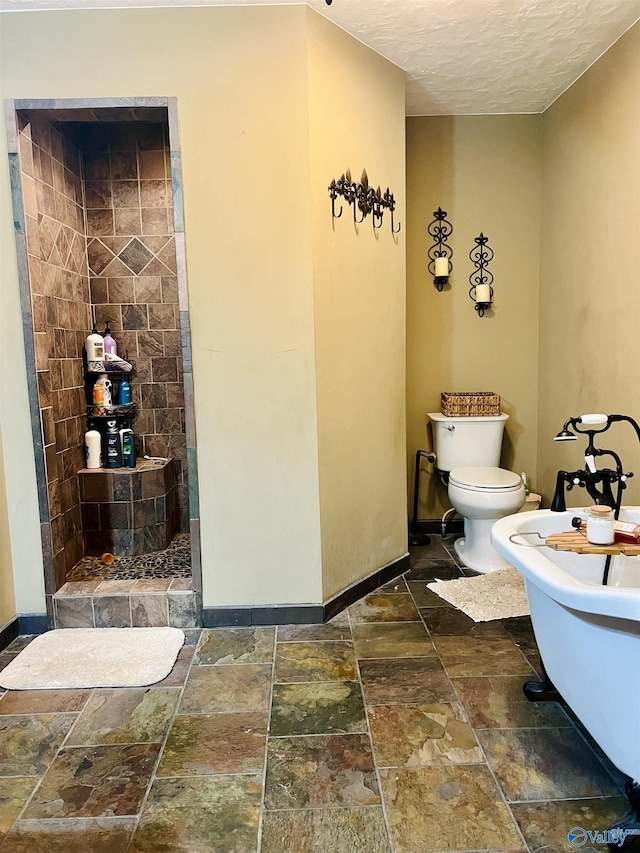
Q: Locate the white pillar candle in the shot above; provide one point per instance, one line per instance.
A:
(483, 293)
(442, 267)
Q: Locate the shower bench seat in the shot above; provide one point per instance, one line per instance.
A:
(129, 511)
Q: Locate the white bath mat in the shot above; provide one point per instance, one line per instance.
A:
(496, 595)
(94, 657)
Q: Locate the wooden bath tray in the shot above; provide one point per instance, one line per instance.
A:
(573, 540)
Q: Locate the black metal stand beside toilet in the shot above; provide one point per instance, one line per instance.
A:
(416, 538)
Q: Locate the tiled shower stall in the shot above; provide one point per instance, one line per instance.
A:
(101, 204)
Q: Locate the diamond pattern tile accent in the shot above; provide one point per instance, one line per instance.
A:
(136, 256)
(47, 237)
(99, 256)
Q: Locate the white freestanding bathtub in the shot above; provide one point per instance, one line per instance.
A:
(588, 634)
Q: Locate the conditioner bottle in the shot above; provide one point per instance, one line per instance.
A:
(110, 347)
(95, 352)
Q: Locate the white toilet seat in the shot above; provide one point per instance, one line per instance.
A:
(486, 480)
(482, 496)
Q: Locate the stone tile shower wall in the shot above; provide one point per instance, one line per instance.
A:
(56, 246)
(132, 271)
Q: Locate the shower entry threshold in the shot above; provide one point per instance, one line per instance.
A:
(146, 591)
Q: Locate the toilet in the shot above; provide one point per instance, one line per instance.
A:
(467, 451)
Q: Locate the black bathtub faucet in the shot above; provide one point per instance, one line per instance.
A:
(598, 483)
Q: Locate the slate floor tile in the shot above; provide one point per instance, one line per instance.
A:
(320, 708)
(14, 793)
(28, 744)
(213, 689)
(521, 632)
(446, 808)
(545, 825)
(337, 628)
(94, 782)
(207, 744)
(323, 770)
(425, 597)
(384, 607)
(43, 701)
(396, 585)
(434, 550)
(315, 661)
(470, 655)
(417, 735)
(392, 640)
(335, 830)
(95, 835)
(497, 702)
(235, 645)
(210, 814)
(545, 764)
(444, 569)
(180, 669)
(138, 715)
(405, 680)
(448, 621)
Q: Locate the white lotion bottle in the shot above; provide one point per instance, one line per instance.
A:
(93, 447)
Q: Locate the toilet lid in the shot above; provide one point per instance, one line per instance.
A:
(485, 478)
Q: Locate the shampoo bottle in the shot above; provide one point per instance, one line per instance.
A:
(114, 451)
(110, 347)
(124, 391)
(95, 352)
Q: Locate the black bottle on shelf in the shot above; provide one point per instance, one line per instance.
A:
(113, 446)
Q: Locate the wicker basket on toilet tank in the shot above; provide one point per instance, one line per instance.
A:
(469, 404)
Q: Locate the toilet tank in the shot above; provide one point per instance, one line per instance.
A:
(467, 442)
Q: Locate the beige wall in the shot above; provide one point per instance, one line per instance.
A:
(21, 540)
(7, 596)
(485, 172)
(590, 270)
(248, 86)
(357, 121)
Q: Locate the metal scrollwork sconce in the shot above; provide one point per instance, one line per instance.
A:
(364, 199)
(440, 254)
(481, 279)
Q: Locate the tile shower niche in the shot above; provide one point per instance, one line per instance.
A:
(100, 232)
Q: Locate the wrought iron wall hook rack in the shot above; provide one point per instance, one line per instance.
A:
(481, 280)
(440, 253)
(364, 200)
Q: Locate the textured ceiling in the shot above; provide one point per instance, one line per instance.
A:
(460, 56)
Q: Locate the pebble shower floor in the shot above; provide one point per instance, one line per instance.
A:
(172, 562)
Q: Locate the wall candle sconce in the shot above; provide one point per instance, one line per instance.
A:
(481, 279)
(440, 254)
(364, 199)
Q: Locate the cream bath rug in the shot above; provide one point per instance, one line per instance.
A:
(496, 595)
(94, 657)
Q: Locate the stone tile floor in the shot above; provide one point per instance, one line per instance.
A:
(398, 727)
